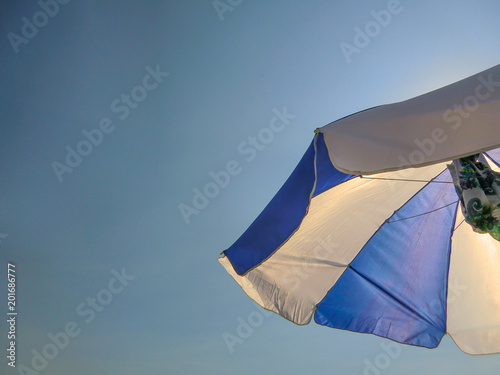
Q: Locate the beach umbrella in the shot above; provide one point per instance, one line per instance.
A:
(389, 224)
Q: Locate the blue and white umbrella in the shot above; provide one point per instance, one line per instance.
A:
(368, 232)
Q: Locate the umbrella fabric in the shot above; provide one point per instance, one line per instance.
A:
(386, 254)
(454, 121)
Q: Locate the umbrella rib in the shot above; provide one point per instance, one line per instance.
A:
(425, 213)
(406, 180)
(458, 225)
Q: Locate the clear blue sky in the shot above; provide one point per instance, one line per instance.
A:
(119, 206)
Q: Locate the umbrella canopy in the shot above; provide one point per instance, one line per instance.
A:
(454, 121)
(388, 253)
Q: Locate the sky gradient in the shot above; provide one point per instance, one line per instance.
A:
(218, 75)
